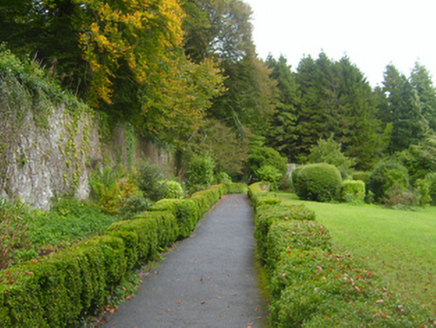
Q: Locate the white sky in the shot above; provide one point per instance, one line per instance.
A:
(372, 33)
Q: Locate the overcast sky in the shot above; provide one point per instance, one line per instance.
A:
(372, 33)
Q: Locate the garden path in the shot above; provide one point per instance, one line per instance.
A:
(209, 280)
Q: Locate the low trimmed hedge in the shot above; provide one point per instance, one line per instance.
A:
(63, 288)
(353, 191)
(313, 287)
(267, 214)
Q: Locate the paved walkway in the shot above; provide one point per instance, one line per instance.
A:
(209, 280)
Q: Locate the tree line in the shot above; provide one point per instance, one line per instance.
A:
(185, 73)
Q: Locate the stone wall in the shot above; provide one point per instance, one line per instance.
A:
(42, 158)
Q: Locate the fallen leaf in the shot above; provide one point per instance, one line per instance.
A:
(203, 302)
(178, 302)
(160, 313)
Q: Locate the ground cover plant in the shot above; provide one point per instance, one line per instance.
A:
(398, 245)
(40, 233)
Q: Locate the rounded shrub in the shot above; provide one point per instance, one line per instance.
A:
(384, 176)
(173, 189)
(353, 191)
(319, 182)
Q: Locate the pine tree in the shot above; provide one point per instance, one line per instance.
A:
(421, 81)
(282, 135)
(409, 125)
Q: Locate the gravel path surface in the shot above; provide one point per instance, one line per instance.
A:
(208, 280)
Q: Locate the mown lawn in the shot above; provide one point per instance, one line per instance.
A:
(398, 245)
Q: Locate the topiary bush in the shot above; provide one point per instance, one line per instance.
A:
(319, 182)
(353, 191)
(173, 190)
(384, 176)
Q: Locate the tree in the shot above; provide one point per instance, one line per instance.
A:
(421, 81)
(409, 125)
(335, 99)
(218, 28)
(123, 56)
(228, 149)
(358, 128)
(311, 120)
(420, 159)
(48, 31)
(328, 151)
(282, 134)
(392, 88)
(250, 96)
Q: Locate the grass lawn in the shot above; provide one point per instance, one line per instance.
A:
(398, 245)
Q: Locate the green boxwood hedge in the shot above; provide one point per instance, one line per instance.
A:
(353, 191)
(267, 214)
(319, 182)
(65, 287)
(310, 286)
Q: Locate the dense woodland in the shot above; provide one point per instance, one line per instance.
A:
(186, 74)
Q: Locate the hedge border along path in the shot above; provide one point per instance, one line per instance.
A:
(310, 285)
(63, 288)
(209, 280)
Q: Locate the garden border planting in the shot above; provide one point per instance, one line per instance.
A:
(63, 288)
(310, 285)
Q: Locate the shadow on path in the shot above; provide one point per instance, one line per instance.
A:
(208, 280)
